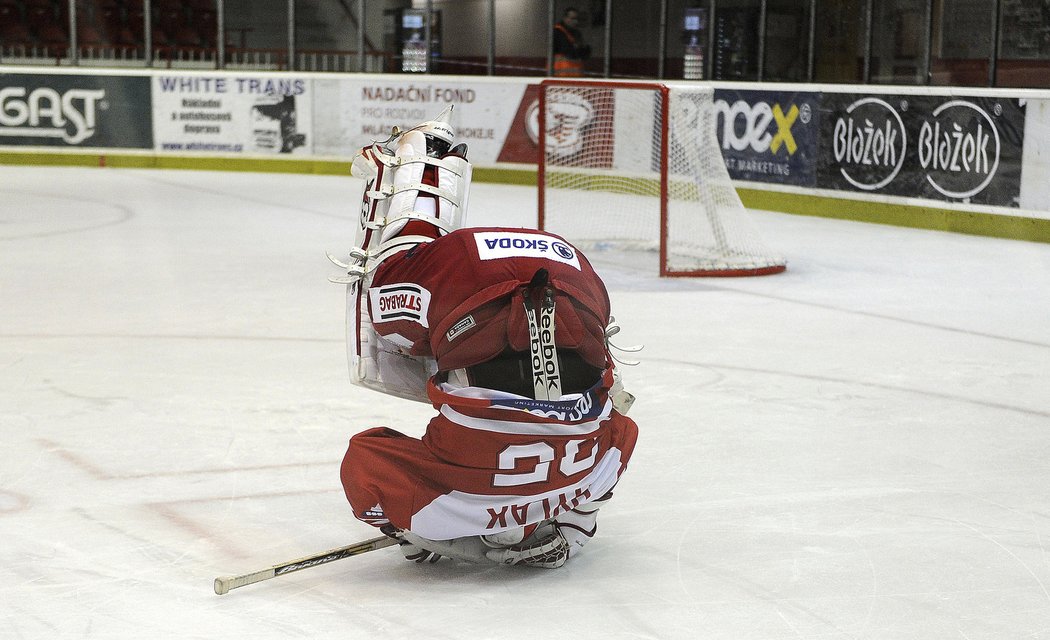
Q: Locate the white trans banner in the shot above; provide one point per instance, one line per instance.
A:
(255, 114)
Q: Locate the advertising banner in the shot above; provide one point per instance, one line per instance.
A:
(522, 142)
(937, 147)
(769, 136)
(355, 112)
(60, 110)
(919, 143)
(250, 114)
(1035, 178)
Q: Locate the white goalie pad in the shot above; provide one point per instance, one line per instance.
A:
(396, 193)
(377, 362)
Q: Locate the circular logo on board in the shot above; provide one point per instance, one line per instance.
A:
(959, 149)
(869, 144)
(568, 114)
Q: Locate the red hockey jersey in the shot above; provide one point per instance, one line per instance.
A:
(489, 462)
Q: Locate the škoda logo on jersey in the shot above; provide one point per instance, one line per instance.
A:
(401, 301)
(494, 245)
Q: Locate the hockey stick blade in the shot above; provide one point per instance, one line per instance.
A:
(223, 584)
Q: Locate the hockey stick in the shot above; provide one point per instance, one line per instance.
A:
(223, 584)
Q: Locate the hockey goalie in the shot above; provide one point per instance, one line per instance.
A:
(505, 332)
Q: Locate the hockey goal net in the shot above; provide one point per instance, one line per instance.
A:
(636, 165)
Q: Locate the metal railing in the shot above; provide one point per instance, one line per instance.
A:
(172, 57)
(928, 68)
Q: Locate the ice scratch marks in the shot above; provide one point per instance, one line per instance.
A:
(11, 502)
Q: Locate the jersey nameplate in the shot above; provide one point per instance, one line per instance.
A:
(400, 301)
(495, 245)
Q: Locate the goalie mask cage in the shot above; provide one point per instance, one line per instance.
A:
(636, 165)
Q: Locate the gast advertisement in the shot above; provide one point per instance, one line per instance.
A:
(65, 110)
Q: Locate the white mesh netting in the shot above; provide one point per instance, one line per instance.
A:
(607, 175)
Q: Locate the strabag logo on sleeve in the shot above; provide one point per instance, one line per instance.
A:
(494, 245)
(400, 301)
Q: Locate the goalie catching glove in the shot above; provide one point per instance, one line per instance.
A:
(412, 176)
(416, 190)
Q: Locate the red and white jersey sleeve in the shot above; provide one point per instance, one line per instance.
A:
(489, 462)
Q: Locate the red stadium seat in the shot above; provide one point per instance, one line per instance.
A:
(205, 21)
(39, 15)
(13, 30)
(135, 20)
(109, 19)
(186, 36)
(88, 35)
(45, 22)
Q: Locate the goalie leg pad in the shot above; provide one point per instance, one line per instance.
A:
(545, 548)
(403, 190)
(468, 549)
(454, 176)
(579, 525)
(426, 189)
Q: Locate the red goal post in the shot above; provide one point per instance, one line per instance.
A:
(636, 166)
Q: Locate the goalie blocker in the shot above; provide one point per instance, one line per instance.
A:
(504, 332)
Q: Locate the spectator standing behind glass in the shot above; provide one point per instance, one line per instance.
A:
(569, 49)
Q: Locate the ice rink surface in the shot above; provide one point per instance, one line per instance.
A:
(856, 448)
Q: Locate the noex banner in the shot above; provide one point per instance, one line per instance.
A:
(60, 110)
(960, 149)
(769, 136)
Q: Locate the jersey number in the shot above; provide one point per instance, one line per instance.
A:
(544, 455)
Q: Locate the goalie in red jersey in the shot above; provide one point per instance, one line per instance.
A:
(504, 331)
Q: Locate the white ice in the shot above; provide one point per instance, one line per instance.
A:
(856, 448)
